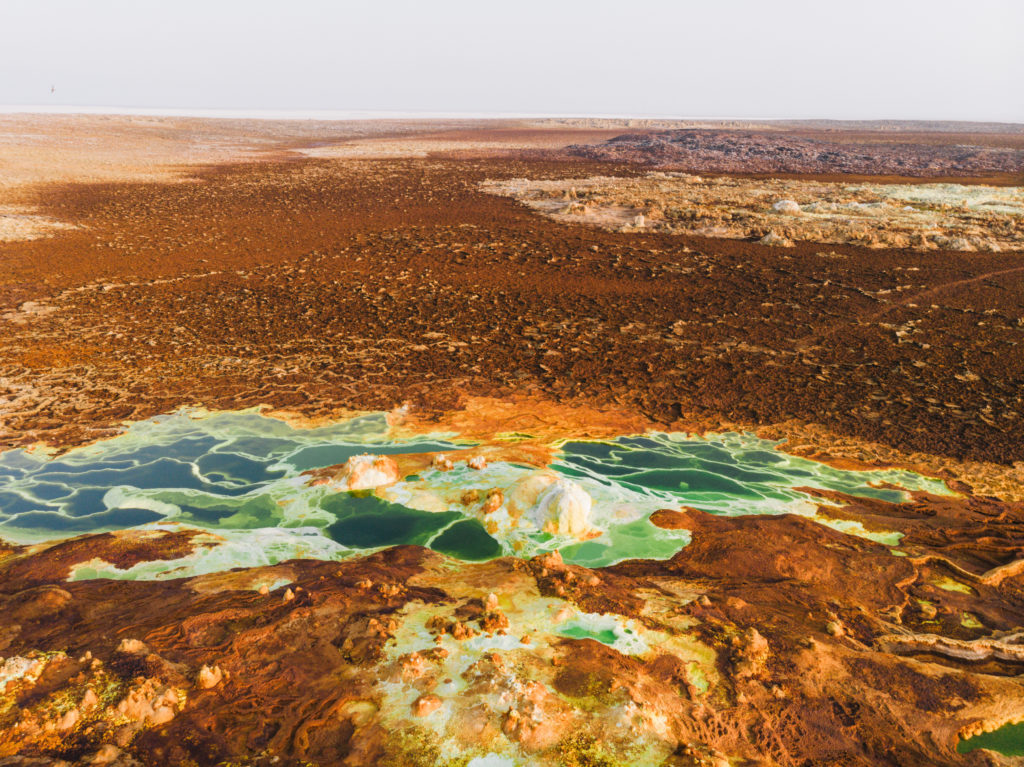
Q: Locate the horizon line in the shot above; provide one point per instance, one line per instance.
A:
(341, 115)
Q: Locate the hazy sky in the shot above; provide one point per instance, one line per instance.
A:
(764, 58)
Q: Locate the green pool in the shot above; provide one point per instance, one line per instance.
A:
(238, 475)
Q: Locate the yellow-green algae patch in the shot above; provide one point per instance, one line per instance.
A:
(969, 621)
(950, 584)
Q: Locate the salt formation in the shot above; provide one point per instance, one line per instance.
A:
(564, 509)
(132, 647)
(18, 667)
(442, 462)
(209, 677)
(554, 504)
(150, 703)
(920, 216)
(365, 472)
(19, 224)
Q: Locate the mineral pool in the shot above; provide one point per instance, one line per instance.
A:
(238, 477)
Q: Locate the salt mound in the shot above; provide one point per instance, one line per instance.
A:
(563, 508)
(553, 504)
(788, 207)
(365, 472)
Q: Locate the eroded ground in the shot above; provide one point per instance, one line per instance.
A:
(324, 271)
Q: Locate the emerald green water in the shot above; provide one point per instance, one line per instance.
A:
(239, 476)
(1007, 740)
(604, 636)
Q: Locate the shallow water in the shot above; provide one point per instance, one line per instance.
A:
(1007, 740)
(237, 474)
(608, 630)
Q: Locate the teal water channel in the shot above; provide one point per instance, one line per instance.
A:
(238, 475)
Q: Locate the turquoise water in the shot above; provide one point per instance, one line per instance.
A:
(238, 475)
(1007, 740)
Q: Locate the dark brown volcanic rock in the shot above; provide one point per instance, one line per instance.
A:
(721, 151)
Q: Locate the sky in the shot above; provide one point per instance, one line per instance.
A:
(855, 59)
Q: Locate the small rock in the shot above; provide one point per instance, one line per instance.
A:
(776, 240)
(69, 720)
(426, 705)
(495, 498)
(107, 754)
(462, 631)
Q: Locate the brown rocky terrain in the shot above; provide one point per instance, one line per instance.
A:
(318, 285)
